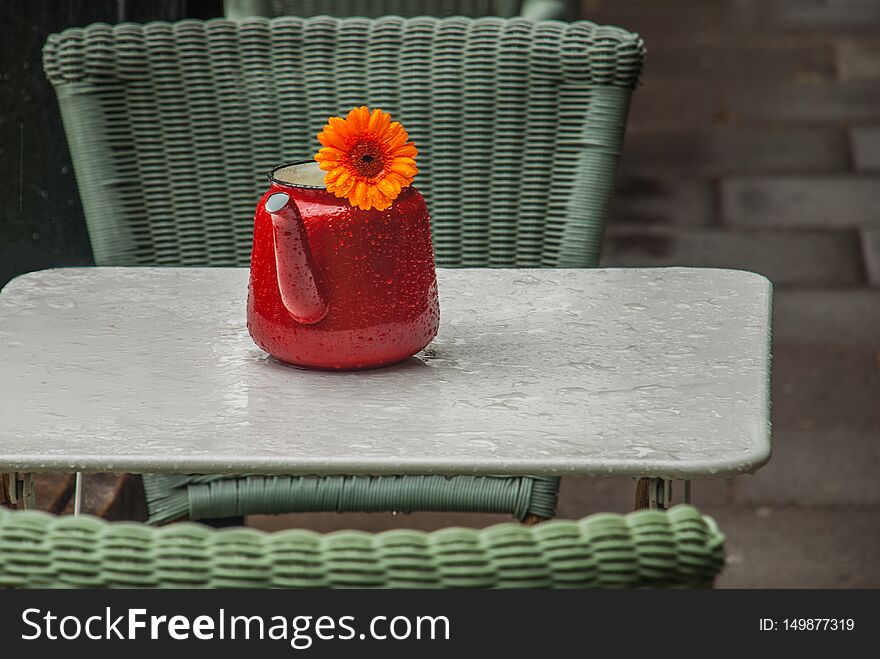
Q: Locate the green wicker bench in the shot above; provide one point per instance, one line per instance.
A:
(644, 549)
(519, 125)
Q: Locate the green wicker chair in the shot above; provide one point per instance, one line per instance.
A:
(519, 127)
(649, 548)
(535, 10)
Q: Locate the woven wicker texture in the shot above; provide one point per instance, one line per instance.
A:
(171, 127)
(648, 548)
(172, 497)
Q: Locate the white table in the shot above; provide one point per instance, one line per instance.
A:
(641, 372)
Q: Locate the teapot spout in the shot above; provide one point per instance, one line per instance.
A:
(298, 277)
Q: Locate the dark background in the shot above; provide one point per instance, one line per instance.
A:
(41, 220)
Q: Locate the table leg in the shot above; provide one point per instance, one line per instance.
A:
(28, 493)
(7, 488)
(655, 493)
(687, 492)
(78, 493)
(652, 494)
(17, 489)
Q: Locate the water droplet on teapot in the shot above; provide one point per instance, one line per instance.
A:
(390, 280)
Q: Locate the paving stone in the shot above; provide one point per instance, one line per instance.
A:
(684, 16)
(719, 59)
(816, 468)
(825, 387)
(785, 257)
(871, 254)
(858, 59)
(53, 491)
(661, 201)
(710, 152)
(660, 104)
(823, 14)
(805, 201)
(807, 101)
(790, 548)
(837, 317)
(708, 101)
(865, 142)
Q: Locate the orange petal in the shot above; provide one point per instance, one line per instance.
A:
(389, 187)
(331, 138)
(357, 121)
(333, 175)
(339, 125)
(395, 136)
(342, 175)
(360, 193)
(331, 153)
(391, 132)
(339, 181)
(400, 180)
(327, 165)
(404, 169)
(323, 156)
(379, 200)
(367, 201)
(408, 150)
(379, 121)
(344, 184)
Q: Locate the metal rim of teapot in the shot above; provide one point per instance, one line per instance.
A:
(271, 176)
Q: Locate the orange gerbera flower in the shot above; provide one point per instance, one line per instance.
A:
(367, 158)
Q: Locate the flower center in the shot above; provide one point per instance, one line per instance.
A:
(366, 158)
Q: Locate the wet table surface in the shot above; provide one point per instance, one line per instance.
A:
(640, 372)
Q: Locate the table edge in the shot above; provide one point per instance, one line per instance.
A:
(15, 281)
(266, 466)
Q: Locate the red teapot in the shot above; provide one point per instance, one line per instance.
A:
(337, 287)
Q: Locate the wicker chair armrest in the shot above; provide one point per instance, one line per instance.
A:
(171, 497)
(650, 548)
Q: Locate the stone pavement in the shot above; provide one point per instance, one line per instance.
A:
(754, 143)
